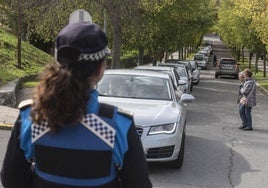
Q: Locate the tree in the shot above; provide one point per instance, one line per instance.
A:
(14, 9)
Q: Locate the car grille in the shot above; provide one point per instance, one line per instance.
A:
(161, 152)
(139, 130)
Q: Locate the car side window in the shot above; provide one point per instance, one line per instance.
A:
(176, 75)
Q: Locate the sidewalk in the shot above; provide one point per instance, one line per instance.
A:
(8, 117)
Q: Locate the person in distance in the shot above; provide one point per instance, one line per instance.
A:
(249, 91)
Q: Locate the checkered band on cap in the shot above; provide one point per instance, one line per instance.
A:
(93, 57)
(39, 130)
(83, 41)
(100, 128)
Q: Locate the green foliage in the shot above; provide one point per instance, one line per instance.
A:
(30, 84)
(33, 59)
(169, 25)
(264, 84)
(239, 23)
(129, 60)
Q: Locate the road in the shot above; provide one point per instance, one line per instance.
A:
(217, 153)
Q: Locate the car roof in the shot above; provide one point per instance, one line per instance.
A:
(172, 64)
(137, 72)
(153, 68)
(199, 55)
(227, 58)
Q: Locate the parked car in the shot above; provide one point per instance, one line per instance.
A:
(169, 70)
(227, 66)
(209, 49)
(196, 72)
(205, 52)
(159, 114)
(201, 60)
(189, 68)
(184, 75)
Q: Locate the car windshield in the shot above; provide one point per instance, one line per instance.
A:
(228, 62)
(198, 57)
(131, 86)
(182, 71)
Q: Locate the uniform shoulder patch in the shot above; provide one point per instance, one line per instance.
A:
(25, 103)
(125, 112)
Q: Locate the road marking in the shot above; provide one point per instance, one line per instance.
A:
(5, 126)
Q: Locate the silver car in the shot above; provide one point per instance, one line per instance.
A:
(201, 60)
(196, 72)
(178, 82)
(184, 75)
(159, 114)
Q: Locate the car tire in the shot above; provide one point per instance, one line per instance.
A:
(236, 76)
(179, 161)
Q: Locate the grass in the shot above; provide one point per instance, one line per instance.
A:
(33, 60)
(29, 84)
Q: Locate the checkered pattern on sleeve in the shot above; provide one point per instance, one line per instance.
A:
(100, 128)
(39, 130)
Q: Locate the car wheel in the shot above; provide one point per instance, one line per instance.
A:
(179, 161)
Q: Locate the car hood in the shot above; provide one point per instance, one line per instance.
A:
(147, 112)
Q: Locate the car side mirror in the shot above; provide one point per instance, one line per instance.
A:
(187, 98)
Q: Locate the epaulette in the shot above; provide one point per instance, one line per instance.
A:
(25, 103)
(106, 110)
(125, 112)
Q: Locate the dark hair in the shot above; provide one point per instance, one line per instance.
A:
(62, 93)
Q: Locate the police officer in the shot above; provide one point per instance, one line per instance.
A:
(64, 137)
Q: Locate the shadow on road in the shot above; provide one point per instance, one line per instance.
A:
(203, 169)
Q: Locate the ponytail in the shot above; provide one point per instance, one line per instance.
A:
(61, 96)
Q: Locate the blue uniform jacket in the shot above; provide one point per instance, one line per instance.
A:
(98, 156)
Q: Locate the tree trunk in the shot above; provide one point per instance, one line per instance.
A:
(238, 53)
(154, 59)
(116, 50)
(264, 63)
(243, 55)
(115, 17)
(19, 29)
(140, 56)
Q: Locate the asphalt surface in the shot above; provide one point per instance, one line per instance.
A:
(8, 115)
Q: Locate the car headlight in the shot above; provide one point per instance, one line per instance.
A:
(163, 129)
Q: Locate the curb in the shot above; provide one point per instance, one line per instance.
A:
(5, 126)
(262, 90)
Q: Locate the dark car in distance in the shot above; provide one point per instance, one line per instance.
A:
(227, 67)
